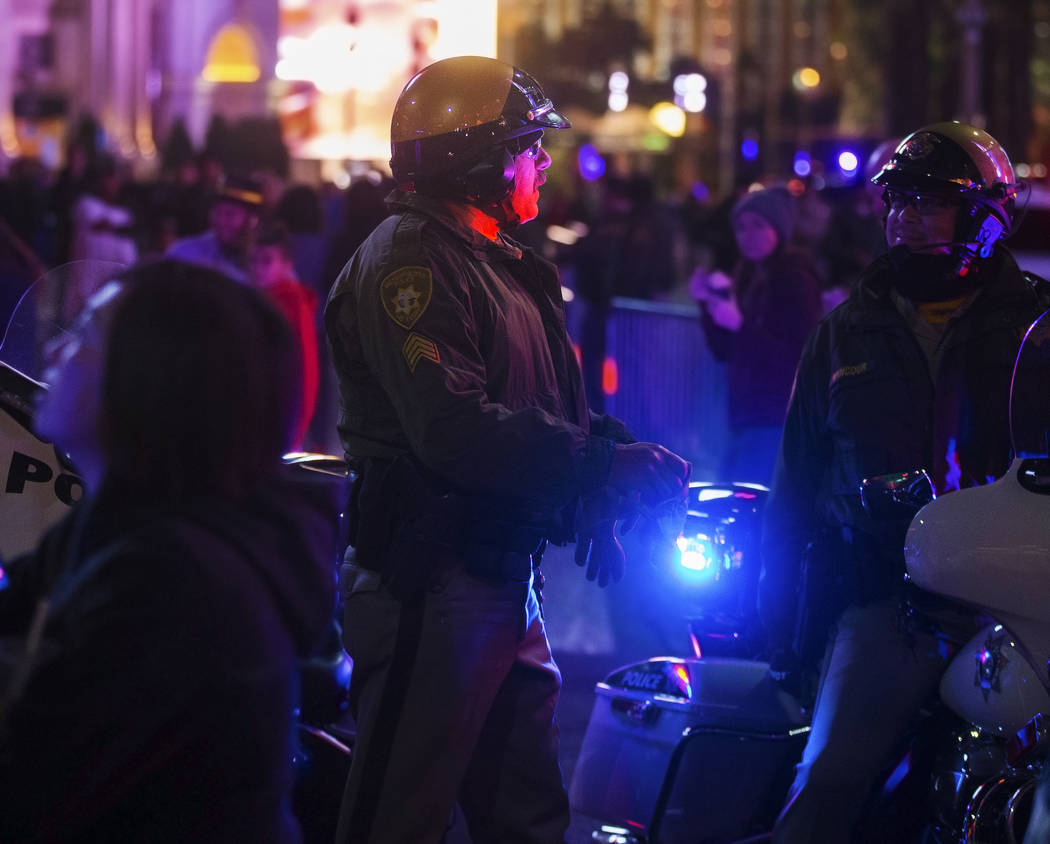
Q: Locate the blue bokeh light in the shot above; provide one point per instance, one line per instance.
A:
(749, 149)
(590, 163)
(701, 192)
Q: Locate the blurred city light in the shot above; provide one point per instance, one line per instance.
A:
(806, 78)
(656, 142)
(689, 91)
(338, 58)
(749, 149)
(618, 82)
(460, 32)
(848, 161)
(590, 163)
(232, 57)
(357, 64)
(802, 164)
(567, 235)
(668, 118)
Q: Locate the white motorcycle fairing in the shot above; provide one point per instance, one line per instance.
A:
(37, 487)
(989, 547)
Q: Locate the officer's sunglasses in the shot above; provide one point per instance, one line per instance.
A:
(522, 146)
(926, 204)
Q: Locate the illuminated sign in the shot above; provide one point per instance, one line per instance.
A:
(343, 66)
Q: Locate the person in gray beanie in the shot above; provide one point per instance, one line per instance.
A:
(775, 205)
(757, 322)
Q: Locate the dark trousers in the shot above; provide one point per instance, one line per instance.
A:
(875, 679)
(454, 698)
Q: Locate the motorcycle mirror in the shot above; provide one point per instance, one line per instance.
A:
(897, 496)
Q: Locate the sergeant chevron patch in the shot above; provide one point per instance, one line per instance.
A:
(417, 346)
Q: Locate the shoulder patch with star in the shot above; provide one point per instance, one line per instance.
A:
(406, 293)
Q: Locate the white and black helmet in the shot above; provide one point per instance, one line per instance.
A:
(962, 163)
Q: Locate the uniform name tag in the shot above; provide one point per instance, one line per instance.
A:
(847, 371)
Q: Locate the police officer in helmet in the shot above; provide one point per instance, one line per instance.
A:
(464, 417)
(912, 371)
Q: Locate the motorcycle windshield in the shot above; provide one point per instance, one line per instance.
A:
(46, 313)
(1030, 393)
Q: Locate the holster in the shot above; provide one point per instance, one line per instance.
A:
(407, 525)
(842, 567)
(401, 526)
(824, 592)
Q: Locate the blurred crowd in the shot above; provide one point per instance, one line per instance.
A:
(287, 237)
(623, 235)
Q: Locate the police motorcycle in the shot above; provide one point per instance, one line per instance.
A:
(988, 548)
(700, 745)
(39, 485)
(702, 749)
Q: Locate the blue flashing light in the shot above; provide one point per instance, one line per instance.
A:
(701, 192)
(698, 560)
(695, 560)
(802, 164)
(848, 161)
(590, 163)
(749, 149)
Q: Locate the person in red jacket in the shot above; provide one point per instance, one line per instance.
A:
(272, 271)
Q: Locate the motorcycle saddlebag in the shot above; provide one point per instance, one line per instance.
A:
(688, 751)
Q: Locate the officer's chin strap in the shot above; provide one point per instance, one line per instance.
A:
(935, 277)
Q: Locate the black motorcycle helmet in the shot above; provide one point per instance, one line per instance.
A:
(963, 163)
(458, 124)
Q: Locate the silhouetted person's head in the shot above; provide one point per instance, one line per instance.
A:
(177, 382)
(235, 212)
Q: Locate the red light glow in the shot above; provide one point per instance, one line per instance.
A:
(610, 377)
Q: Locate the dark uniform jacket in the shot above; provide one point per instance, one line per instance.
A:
(160, 705)
(865, 404)
(452, 349)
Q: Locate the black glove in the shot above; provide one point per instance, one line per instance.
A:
(597, 547)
